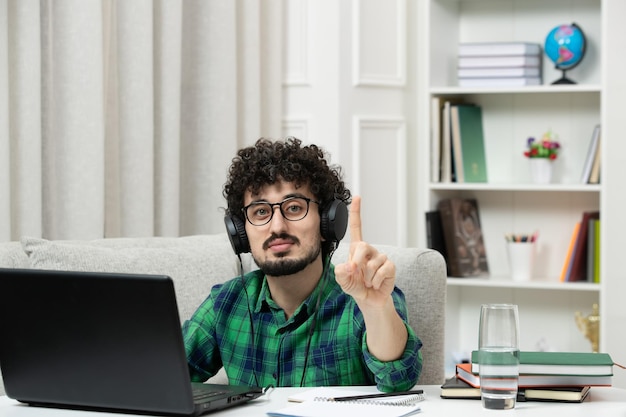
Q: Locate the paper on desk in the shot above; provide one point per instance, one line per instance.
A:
(308, 406)
(341, 409)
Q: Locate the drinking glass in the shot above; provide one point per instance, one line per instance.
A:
(498, 359)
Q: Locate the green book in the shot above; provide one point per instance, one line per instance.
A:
(560, 363)
(591, 249)
(468, 143)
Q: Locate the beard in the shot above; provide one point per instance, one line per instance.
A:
(282, 266)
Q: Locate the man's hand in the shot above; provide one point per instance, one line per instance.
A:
(368, 276)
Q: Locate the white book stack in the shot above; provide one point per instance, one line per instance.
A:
(499, 64)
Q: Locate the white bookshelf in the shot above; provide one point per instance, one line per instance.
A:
(509, 202)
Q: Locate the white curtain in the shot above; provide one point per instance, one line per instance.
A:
(120, 118)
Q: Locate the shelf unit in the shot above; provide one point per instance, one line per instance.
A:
(509, 202)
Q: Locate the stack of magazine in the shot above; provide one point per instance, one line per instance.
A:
(499, 64)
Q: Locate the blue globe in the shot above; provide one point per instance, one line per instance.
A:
(565, 46)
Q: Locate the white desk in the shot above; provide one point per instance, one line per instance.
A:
(605, 402)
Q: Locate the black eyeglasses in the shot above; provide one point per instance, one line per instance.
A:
(292, 209)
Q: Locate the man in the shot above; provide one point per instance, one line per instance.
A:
(299, 321)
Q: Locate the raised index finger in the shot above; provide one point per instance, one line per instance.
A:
(355, 220)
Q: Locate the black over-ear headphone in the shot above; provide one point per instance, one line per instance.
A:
(333, 225)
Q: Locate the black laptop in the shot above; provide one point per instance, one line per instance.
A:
(100, 341)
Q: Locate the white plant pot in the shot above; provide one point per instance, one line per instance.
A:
(541, 170)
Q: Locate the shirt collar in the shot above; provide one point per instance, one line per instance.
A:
(265, 302)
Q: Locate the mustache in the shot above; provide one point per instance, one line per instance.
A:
(283, 236)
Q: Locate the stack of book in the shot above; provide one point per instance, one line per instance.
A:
(499, 64)
(457, 141)
(543, 376)
(582, 260)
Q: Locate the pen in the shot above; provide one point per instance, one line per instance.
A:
(534, 236)
(379, 395)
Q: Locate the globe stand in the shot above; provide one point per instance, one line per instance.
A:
(563, 79)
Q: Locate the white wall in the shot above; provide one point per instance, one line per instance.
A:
(348, 88)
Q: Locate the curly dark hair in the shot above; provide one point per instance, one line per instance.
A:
(269, 161)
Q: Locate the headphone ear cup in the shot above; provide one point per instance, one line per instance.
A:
(334, 221)
(236, 230)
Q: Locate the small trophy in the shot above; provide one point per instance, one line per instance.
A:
(590, 326)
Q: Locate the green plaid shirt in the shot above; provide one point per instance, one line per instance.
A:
(272, 350)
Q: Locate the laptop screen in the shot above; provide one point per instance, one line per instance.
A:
(97, 340)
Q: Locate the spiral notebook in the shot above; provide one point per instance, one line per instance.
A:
(325, 402)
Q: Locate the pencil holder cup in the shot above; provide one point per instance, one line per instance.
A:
(521, 260)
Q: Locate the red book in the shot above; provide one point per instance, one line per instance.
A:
(464, 372)
(579, 257)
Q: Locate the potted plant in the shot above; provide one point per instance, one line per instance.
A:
(541, 153)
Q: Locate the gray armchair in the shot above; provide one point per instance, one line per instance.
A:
(196, 263)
